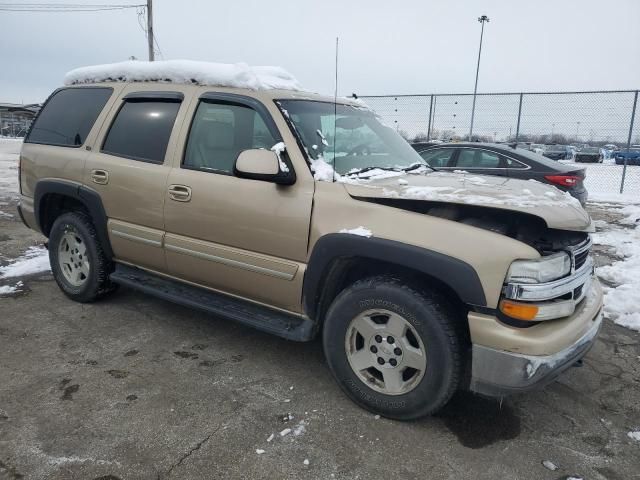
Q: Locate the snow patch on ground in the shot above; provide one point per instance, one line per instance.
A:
(10, 289)
(360, 231)
(34, 260)
(634, 435)
(621, 301)
(238, 75)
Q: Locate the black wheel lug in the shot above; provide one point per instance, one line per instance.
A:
(381, 360)
(374, 349)
(393, 362)
(378, 338)
(397, 351)
(390, 339)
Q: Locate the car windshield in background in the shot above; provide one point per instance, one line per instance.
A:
(355, 134)
(590, 150)
(555, 148)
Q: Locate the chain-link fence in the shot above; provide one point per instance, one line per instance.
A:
(578, 120)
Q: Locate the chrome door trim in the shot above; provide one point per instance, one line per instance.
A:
(136, 238)
(230, 262)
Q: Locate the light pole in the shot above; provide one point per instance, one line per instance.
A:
(577, 130)
(482, 21)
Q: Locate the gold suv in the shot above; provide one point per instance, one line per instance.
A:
(302, 217)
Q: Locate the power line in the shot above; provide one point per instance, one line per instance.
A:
(64, 7)
(141, 9)
(69, 5)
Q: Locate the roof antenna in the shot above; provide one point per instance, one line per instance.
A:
(335, 113)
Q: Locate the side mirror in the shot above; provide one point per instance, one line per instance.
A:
(260, 164)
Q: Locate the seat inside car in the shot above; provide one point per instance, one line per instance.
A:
(212, 146)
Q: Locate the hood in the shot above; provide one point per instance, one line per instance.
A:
(558, 209)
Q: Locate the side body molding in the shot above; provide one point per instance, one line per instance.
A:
(335, 247)
(90, 199)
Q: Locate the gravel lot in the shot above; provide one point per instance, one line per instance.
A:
(137, 388)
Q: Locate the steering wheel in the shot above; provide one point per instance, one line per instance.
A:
(362, 149)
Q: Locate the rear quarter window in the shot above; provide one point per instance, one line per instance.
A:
(68, 116)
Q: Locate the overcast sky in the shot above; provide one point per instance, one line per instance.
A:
(401, 46)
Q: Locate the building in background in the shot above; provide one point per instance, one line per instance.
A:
(15, 119)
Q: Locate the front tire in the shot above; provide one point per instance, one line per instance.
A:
(78, 262)
(394, 350)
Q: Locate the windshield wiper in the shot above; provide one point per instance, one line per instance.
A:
(359, 171)
(416, 166)
(410, 168)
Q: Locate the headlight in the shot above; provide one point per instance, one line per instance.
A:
(543, 270)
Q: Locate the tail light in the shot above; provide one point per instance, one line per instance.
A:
(564, 180)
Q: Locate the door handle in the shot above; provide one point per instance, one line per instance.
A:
(100, 177)
(180, 193)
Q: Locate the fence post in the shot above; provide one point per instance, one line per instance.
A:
(429, 127)
(626, 159)
(519, 114)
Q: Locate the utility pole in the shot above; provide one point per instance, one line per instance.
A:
(482, 21)
(150, 29)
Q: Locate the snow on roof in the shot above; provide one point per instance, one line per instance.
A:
(238, 75)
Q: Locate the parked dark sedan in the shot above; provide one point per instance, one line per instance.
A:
(557, 152)
(589, 155)
(505, 161)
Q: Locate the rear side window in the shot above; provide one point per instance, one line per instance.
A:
(68, 116)
(511, 163)
(141, 130)
(438, 157)
(473, 158)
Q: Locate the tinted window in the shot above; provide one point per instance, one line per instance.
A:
(141, 130)
(437, 157)
(220, 131)
(68, 116)
(473, 158)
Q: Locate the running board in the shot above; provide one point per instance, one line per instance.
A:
(291, 327)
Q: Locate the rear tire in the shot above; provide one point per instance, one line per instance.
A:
(78, 262)
(394, 350)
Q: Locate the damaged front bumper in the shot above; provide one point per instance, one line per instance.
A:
(497, 372)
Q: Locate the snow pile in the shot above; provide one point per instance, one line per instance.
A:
(35, 260)
(238, 75)
(474, 180)
(621, 301)
(634, 435)
(322, 171)
(360, 231)
(525, 199)
(278, 148)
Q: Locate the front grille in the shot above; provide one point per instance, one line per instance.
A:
(579, 254)
(580, 258)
